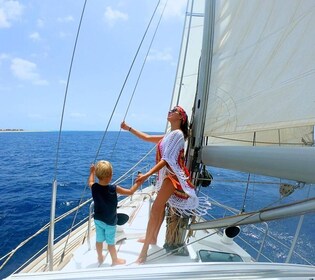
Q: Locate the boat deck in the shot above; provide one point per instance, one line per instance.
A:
(81, 254)
(127, 240)
(80, 261)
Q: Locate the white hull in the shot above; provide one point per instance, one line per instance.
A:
(185, 271)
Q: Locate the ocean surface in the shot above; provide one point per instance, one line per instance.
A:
(28, 167)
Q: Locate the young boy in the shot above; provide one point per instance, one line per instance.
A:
(105, 208)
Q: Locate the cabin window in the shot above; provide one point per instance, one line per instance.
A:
(213, 256)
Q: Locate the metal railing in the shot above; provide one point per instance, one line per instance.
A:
(265, 235)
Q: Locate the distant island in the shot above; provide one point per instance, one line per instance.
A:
(10, 129)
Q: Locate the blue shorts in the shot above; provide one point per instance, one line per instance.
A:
(105, 232)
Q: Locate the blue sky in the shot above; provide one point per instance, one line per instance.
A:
(37, 39)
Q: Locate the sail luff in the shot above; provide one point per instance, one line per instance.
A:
(270, 214)
(287, 163)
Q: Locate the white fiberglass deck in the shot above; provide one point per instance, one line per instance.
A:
(127, 240)
(81, 263)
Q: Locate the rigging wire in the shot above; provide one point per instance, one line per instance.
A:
(215, 231)
(66, 91)
(140, 73)
(248, 179)
(110, 119)
(186, 49)
(144, 61)
(120, 94)
(54, 188)
(125, 81)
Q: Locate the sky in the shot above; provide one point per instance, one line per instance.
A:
(36, 47)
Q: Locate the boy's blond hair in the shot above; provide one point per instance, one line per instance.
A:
(103, 170)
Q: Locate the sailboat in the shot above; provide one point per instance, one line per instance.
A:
(246, 71)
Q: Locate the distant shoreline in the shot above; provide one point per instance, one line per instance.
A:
(21, 130)
(12, 130)
(64, 131)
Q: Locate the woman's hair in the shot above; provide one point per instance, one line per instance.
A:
(184, 123)
(184, 129)
(103, 170)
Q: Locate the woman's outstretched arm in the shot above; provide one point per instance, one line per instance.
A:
(143, 136)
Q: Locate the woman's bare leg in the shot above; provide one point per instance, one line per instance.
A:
(153, 241)
(156, 217)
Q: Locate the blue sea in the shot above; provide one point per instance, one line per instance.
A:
(28, 168)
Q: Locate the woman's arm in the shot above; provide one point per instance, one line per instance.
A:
(141, 178)
(143, 136)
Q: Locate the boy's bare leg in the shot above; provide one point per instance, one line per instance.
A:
(99, 250)
(113, 254)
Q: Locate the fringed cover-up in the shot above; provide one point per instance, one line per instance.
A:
(184, 199)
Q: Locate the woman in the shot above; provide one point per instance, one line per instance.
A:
(173, 184)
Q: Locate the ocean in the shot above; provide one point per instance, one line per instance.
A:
(28, 168)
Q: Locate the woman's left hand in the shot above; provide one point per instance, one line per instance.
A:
(141, 178)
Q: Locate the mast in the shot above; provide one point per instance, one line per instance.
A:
(199, 110)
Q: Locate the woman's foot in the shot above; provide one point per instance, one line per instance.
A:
(118, 262)
(152, 242)
(141, 259)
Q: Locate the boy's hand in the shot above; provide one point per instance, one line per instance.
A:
(91, 177)
(141, 178)
(92, 168)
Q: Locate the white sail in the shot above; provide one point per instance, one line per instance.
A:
(255, 87)
(262, 73)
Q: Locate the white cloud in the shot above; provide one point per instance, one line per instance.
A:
(3, 56)
(66, 19)
(157, 55)
(10, 10)
(27, 71)
(35, 36)
(77, 115)
(112, 16)
(173, 8)
(62, 34)
(40, 23)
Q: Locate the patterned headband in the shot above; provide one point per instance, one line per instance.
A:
(182, 113)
